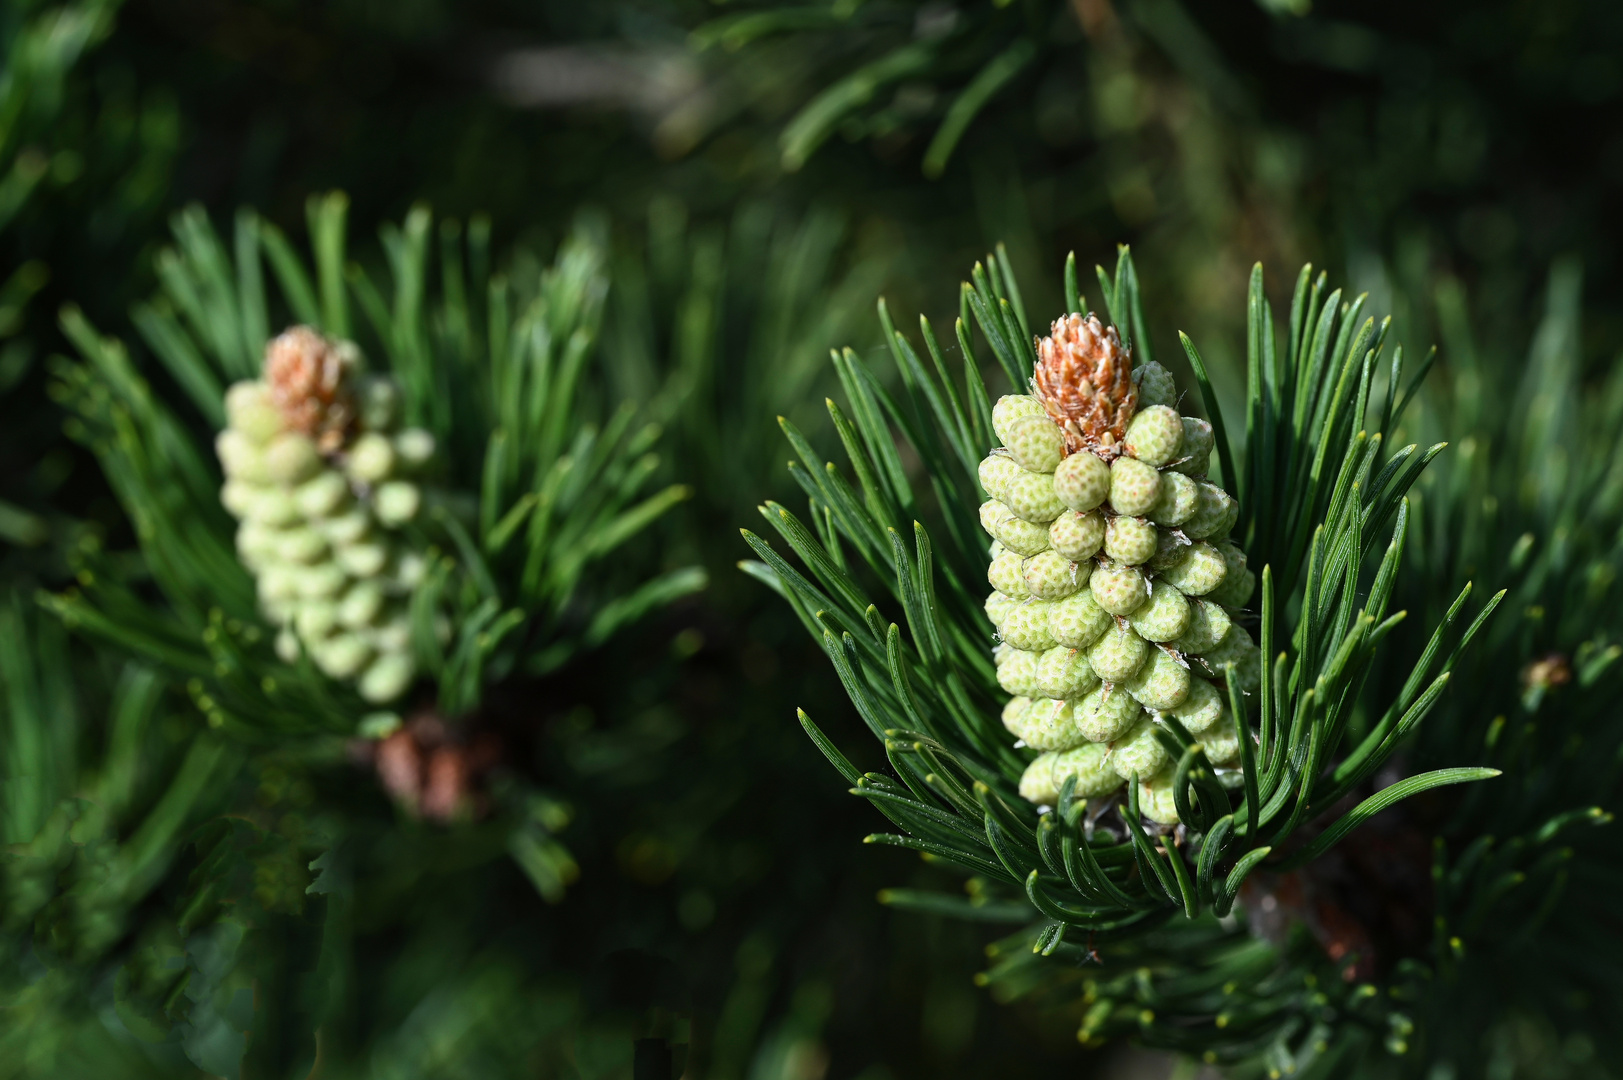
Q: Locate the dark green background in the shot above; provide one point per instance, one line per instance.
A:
(1396, 144)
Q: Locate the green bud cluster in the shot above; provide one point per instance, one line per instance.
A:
(1115, 583)
(319, 527)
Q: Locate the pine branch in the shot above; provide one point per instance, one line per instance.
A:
(528, 501)
(1317, 484)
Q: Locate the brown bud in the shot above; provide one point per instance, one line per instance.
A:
(399, 762)
(448, 784)
(1554, 670)
(431, 771)
(306, 373)
(1084, 379)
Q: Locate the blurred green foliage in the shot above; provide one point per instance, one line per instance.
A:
(723, 905)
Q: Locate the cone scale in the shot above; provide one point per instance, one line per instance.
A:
(1113, 580)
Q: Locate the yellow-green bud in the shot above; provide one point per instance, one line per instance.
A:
(1134, 486)
(323, 495)
(1198, 572)
(1078, 621)
(1012, 407)
(1138, 751)
(1082, 481)
(1035, 443)
(1026, 626)
(1164, 616)
(1197, 447)
(396, 502)
(1030, 496)
(1094, 776)
(1037, 782)
(1049, 725)
(291, 458)
(1003, 574)
(1022, 537)
(1017, 672)
(1014, 715)
(1201, 709)
(414, 447)
(277, 585)
(348, 527)
(1063, 673)
(1177, 502)
(1212, 509)
(240, 458)
(303, 546)
(361, 605)
(250, 410)
(1155, 435)
(1120, 590)
(287, 646)
(1161, 683)
(1112, 555)
(371, 458)
(410, 569)
(1170, 548)
(1238, 651)
(1155, 799)
(1155, 385)
(997, 606)
(323, 581)
(1233, 647)
(379, 401)
(363, 559)
(1078, 536)
(279, 612)
(237, 496)
(1222, 744)
(341, 656)
(1105, 714)
(258, 544)
(273, 506)
(1117, 655)
(1231, 515)
(387, 677)
(393, 636)
(1130, 540)
(1051, 576)
(295, 509)
(315, 621)
(1238, 582)
(1236, 589)
(996, 472)
(1207, 624)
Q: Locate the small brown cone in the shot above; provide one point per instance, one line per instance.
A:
(399, 762)
(1084, 379)
(433, 771)
(306, 373)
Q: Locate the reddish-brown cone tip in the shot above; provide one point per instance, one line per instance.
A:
(306, 376)
(1084, 379)
(431, 773)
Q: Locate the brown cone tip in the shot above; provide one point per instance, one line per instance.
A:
(1084, 379)
(306, 376)
(432, 772)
